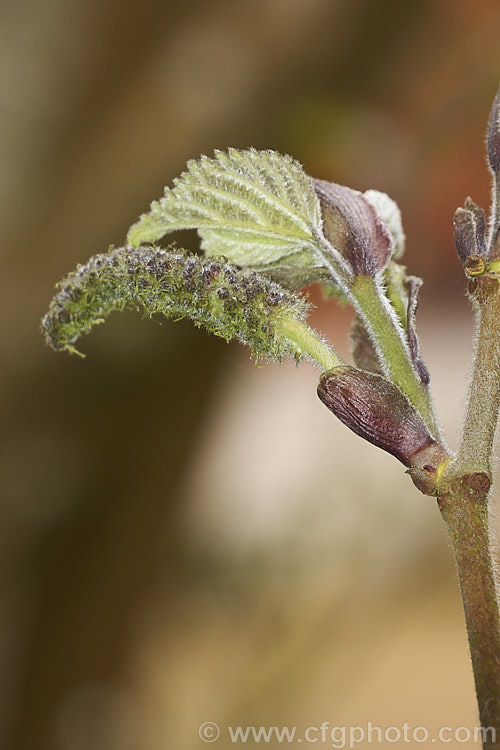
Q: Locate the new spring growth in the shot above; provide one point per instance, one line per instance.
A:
(278, 230)
(494, 161)
(365, 228)
(477, 244)
(267, 230)
(227, 301)
(494, 135)
(352, 226)
(478, 247)
(376, 410)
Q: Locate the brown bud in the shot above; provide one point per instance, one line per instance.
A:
(354, 228)
(469, 226)
(494, 134)
(464, 233)
(376, 410)
(480, 220)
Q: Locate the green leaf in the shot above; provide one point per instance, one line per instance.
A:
(254, 207)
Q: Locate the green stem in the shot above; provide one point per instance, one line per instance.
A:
(309, 341)
(389, 338)
(394, 277)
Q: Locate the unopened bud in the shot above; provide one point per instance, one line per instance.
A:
(376, 410)
(494, 134)
(480, 220)
(469, 226)
(354, 228)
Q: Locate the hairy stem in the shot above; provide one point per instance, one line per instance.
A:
(390, 343)
(495, 218)
(309, 342)
(464, 507)
(463, 501)
(483, 402)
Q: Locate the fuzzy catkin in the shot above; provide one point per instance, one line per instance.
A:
(226, 300)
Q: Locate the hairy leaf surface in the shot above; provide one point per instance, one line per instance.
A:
(253, 207)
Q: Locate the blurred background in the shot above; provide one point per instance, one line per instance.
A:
(185, 537)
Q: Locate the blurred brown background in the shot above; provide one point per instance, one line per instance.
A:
(185, 537)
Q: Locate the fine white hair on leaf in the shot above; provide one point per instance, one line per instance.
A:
(254, 207)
